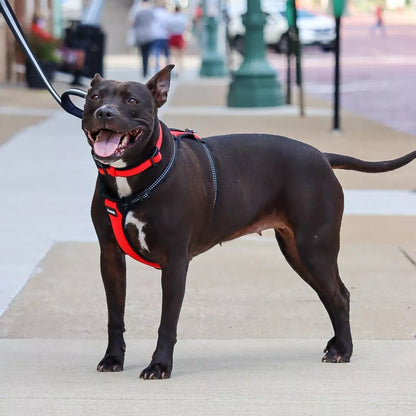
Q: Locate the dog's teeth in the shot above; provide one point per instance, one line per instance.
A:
(135, 133)
(125, 140)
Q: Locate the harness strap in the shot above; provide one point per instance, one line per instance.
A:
(185, 134)
(117, 212)
(213, 170)
(117, 222)
(128, 202)
(190, 134)
(117, 208)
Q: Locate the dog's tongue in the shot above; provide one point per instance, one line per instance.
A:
(107, 143)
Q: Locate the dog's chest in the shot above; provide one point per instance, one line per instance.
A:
(135, 226)
(122, 183)
(136, 229)
(123, 187)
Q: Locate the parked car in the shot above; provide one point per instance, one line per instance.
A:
(275, 29)
(315, 29)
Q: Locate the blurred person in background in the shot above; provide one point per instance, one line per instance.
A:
(177, 26)
(379, 24)
(160, 27)
(143, 23)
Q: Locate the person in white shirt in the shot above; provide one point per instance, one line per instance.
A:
(160, 30)
(177, 27)
(143, 23)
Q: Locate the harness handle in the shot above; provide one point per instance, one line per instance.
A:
(67, 104)
(64, 101)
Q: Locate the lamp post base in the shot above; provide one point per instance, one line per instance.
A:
(212, 66)
(251, 89)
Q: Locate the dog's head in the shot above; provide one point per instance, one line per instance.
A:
(119, 117)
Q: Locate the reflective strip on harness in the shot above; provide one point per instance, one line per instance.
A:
(116, 219)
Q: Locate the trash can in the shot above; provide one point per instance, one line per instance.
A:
(91, 39)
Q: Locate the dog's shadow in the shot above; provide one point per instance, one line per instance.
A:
(234, 356)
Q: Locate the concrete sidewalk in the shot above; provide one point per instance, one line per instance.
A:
(251, 332)
(212, 377)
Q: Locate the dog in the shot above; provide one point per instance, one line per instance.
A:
(164, 199)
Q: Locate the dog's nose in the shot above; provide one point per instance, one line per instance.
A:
(105, 113)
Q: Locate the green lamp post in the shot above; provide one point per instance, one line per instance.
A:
(338, 8)
(213, 64)
(57, 18)
(294, 44)
(255, 83)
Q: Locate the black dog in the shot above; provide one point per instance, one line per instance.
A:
(163, 200)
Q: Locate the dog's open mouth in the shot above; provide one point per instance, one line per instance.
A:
(106, 143)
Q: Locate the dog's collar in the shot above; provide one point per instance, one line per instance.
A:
(126, 172)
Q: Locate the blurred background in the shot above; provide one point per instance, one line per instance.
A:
(378, 61)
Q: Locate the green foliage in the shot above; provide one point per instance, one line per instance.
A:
(44, 49)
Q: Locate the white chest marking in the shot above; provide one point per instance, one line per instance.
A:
(131, 219)
(118, 163)
(123, 187)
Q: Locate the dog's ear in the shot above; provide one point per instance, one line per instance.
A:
(159, 85)
(96, 80)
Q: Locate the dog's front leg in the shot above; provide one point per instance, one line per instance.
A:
(173, 290)
(113, 271)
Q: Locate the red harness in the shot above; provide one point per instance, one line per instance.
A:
(117, 209)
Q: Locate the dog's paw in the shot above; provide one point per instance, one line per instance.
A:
(335, 358)
(156, 371)
(336, 352)
(110, 363)
(332, 355)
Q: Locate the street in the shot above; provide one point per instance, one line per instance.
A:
(378, 76)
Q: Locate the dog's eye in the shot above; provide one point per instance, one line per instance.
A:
(95, 97)
(132, 101)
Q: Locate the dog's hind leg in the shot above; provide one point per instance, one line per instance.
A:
(316, 263)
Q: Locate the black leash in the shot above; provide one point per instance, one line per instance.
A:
(64, 100)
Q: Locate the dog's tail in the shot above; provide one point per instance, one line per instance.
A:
(351, 163)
